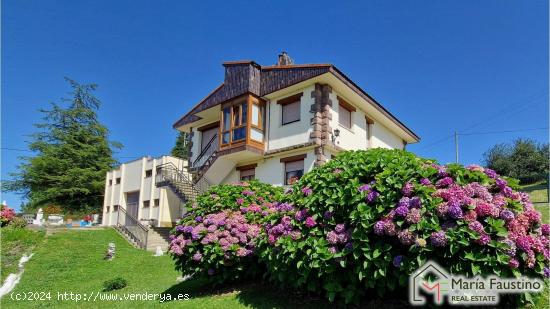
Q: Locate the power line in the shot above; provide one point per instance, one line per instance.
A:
(505, 131)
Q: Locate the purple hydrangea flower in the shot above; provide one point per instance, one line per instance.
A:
(397, 261)
(327, 215)
(402, 211)
(484, 239)
(198, 219)
(489, 172)
(340, 228)
(197, 257)
(307, 191)
(438, 239)
(332, 238)
(179, 228)
(240, 201)
(301, 214)
(415, 202)
(371, 196)
(364, 188)
(425, 182)
(501, 183)
(413, 216)
(348, 246)
(545, 229)
(248, 192)
(404, 201)
(476, 226)
(379, 228)
(389, 228)
(406, 237)
(511, 250)
(546, 272)
(310, 222)
(524, 243)
(444, 182)
(513, 263)
(455, 211)
(407, 189)
(507, 215)
(333, 250)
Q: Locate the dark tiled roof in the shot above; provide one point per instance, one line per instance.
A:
(249, 77)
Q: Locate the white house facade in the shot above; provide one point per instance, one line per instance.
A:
(275, 123)
(132, 193)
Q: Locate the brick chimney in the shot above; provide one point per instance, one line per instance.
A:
(284, 59)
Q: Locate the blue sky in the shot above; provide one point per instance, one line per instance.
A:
(439, 66)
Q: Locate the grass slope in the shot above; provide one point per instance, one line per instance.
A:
(72, 261)
(15, 243)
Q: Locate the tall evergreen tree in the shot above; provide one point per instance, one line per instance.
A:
(73, 154)
(181, 149)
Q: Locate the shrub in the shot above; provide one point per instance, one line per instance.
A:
(216, 238)
(361, 223)
(114, 284)
(367, 219)
(18, 222)
(52, 210)
(6, 215)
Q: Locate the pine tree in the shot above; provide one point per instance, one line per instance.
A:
(181, 149)
(73, 154)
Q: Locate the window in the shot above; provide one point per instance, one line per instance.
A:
(148, 173)
(344, 117)
(345, 111)
(247, 172)
(370, 123)
(115, 208)
(146, 204)
(247, 175)
(290, 109)
(110, 182)
(257, 122)
(108, 208)
(156, 202)
(118, 180)
(294, 168)
(234, 120)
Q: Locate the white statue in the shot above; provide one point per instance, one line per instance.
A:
(159, 251)
(110, 254)
(39, 218)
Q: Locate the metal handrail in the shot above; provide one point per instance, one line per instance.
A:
(209, 150)
(131, 225)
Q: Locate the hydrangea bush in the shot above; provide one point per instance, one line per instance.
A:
(362, 223)
(6, 215)
(217, 237)
(367, 219)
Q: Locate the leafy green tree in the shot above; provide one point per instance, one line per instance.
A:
(524, 159)
(182, 147)
(73, 154)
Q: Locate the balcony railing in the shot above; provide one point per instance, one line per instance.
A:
(210, 149)
(131, 226)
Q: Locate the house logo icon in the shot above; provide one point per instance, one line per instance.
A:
(430, 279)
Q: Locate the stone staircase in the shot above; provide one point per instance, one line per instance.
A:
(158, 236)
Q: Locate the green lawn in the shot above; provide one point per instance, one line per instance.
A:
(15, 243)
(539, 196)
(72, 261)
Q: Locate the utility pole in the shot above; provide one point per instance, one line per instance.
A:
(456, 146)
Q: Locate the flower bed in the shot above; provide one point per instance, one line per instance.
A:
(366, 220)
(217, 237)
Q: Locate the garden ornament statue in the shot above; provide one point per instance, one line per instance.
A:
(39, 218)
(110, 252)
(159, 251)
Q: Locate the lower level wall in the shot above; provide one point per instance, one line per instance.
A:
(271, 170)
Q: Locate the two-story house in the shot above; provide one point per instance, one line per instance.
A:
(275, 123)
